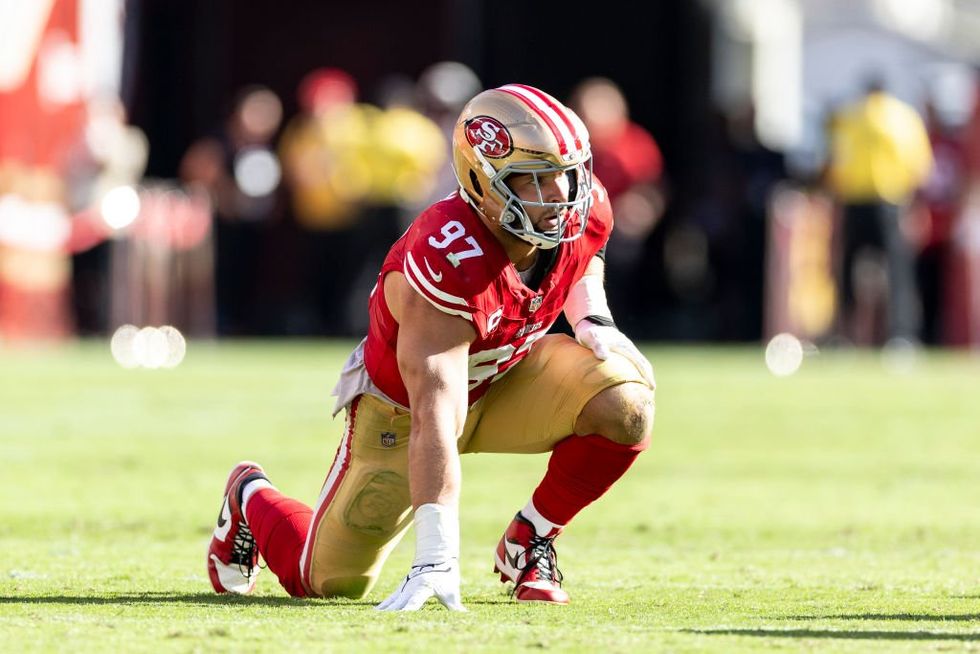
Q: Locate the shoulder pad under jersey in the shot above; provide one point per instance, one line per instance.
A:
(446, 264)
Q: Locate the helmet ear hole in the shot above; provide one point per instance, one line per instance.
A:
(476, 183)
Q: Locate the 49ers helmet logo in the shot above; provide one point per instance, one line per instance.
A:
(489, 136)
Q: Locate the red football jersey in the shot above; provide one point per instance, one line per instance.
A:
(456, 263)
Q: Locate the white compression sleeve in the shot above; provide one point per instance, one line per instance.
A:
(436, 534)
(587, 298)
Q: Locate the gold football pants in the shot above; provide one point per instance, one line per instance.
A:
(364, 507)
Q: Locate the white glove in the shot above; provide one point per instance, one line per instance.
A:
(424, 581)
(435, 571)
(604, 340)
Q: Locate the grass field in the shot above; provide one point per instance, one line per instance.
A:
(834, 510)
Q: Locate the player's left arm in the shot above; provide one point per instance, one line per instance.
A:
(588, 313)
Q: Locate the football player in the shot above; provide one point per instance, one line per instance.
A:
(458, 360)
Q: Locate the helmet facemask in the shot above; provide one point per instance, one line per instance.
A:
(514, 216)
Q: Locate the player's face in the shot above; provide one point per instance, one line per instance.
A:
(554, 187)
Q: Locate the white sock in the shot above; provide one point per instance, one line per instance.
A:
(250, 489)
(542, 525)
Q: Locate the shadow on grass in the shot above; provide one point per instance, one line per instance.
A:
(835, 634)
(203, 599)
(910, 617)
(200, 599)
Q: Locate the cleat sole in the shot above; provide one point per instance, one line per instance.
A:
(537, 601)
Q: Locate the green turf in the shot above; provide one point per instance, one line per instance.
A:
(833, 510)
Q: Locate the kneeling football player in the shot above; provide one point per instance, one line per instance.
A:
(457, 359)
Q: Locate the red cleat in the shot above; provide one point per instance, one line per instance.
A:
(232, 555)
(530, 562)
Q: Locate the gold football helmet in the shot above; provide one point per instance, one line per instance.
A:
(518, 129)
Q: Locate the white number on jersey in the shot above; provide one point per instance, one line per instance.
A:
(452, 231)
(486, 364)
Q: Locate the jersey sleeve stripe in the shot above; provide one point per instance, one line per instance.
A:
(437, 305)
(411, 266)
(436, 298)
(550, 116)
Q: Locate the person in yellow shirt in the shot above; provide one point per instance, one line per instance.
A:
(879, 155)
(328, 170)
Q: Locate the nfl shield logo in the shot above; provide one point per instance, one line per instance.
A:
(536, 302)
(387, 439)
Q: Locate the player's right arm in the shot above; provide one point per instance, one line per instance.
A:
(432, 351)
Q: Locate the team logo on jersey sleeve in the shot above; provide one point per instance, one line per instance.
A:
(489, 136)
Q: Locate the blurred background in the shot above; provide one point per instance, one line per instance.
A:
(809, 167)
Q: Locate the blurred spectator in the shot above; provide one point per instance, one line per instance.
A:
(754, 170)
(408, 151)
(624, 153)
(405, 152)
(242, 173)
(715, 258)
(110, 155)
(627, 160)
(939, 203)
(351, 168)
(327, 171)
(443, 89)
(964, 323)
(321, 151)
(879, 156)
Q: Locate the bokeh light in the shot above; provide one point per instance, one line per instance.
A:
(121, 346)
(149, 347)
(784, 355)
(120, 207)
(176, 346)
(257, 172)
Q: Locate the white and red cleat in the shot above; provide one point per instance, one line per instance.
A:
(232, 555)
(530, 562)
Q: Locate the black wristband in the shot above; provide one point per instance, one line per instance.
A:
(602, 321)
